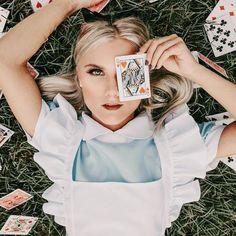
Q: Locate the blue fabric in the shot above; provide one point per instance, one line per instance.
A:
(205, 127)
(137, 161)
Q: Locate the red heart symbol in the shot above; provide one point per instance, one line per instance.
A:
(142, 90)
(123, 63)
(38, 5)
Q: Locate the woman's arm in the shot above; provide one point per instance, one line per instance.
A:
(24, 40)
(172, 53)
(18, 46)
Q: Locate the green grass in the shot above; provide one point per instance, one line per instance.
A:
(215, 213)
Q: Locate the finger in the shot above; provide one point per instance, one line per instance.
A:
(145, 47)
(95, 3)
(162, 48)
(172, 51)
(155, 43)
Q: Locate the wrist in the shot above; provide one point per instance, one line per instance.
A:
(68, 5)
(196, 73)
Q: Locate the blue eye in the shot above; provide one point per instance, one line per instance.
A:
(96, 72)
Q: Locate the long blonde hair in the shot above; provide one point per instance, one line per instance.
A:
(168, 90)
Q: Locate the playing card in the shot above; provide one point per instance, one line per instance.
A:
(221, 35)
(213, 65)
(198, 55)
(38, 4)
(224, 8)
(99, 7)
(0, 93)
(132, 77)
(18, 225)
(5, 134)
(14, 199)
(3, 18)
(34, 73)
(224, 119)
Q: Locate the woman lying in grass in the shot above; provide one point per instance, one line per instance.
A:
(119, 168)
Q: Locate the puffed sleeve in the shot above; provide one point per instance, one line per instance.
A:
(56, 121)
(193, 150)
(57, 136)
(211, 134)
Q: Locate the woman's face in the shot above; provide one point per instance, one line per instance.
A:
(97, 77)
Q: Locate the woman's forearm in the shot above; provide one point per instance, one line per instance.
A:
(23, 40)
(219, 88)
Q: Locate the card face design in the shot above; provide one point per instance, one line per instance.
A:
(14, 199)
(224, 8)
(5, 134)
(221, 35)
(132, 77)
(18, 225)
(38, 4)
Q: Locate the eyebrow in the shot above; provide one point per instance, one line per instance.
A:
(94, 65)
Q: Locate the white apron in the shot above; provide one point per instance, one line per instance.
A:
(116, 208)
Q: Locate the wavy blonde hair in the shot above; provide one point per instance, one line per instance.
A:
(168, 90)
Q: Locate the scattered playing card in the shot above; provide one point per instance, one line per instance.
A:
(38, 4)
(213, 65)
(14, 199)
(3, 18)
(133, 77)
(5, 134)
(32, 71)
(99, 7)
(18, 225)
(224, 119)
(198, 55)
(221, 35)
(223, 8)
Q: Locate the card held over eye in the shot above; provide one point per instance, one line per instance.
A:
(132, 77)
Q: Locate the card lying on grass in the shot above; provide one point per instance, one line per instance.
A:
(38, 4)
(4, 13)
(132, 77)
(18, 225)
(14, 199)
(5, 134)
(222, 35)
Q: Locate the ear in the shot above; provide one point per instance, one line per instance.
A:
(78, 81)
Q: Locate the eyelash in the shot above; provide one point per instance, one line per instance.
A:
(91, 71)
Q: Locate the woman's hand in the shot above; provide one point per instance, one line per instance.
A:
(172, 53)
(78, 4)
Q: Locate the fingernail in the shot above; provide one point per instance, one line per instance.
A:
(146, 62)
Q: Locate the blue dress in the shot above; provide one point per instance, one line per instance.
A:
(126, 155)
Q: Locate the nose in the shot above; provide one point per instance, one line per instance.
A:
(112, 87)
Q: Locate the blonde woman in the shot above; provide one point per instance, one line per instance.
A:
(119, 168)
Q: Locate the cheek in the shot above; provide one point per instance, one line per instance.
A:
(92, 90)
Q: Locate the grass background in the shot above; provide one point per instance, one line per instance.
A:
(215, 213)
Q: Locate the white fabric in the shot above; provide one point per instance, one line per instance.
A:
(124, 135)
(184, 156)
